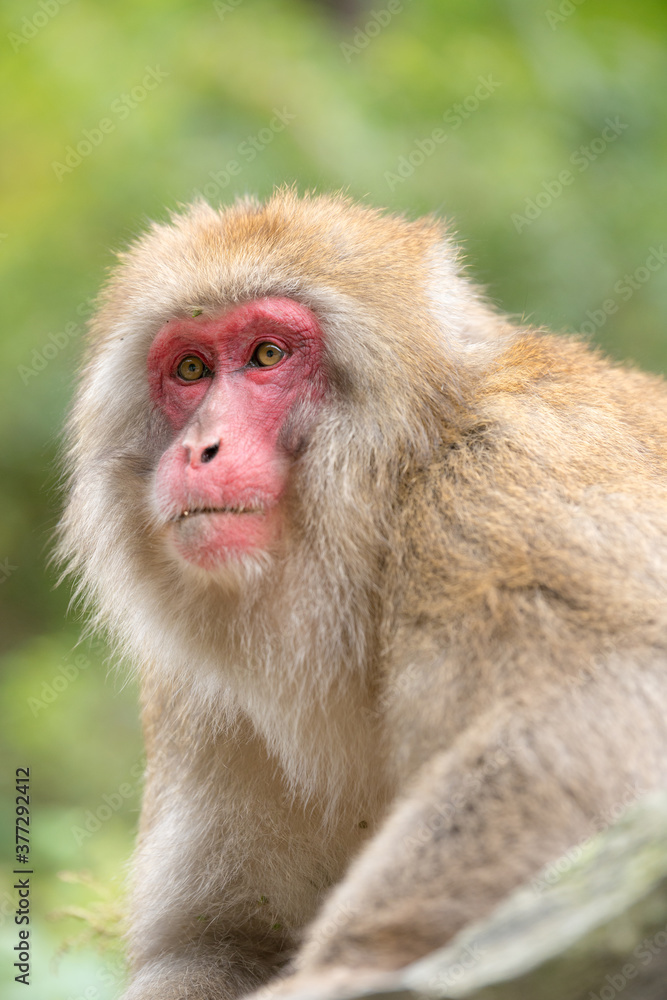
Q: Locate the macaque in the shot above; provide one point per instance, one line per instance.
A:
(393, 571)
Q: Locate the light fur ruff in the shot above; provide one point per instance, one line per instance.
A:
(454, 670)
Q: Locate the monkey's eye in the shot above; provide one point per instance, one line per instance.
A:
(267, 355)
(191, 368)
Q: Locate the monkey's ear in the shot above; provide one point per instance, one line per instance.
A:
(468, 322)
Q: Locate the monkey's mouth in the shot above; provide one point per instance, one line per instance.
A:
(210, 535)
(239, 509)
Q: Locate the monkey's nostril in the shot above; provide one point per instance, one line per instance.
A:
(209, 453)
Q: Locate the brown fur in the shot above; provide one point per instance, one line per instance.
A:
(457, 668)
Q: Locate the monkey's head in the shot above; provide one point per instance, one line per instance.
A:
(258, 380)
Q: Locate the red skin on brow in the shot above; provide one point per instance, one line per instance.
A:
(240, 407)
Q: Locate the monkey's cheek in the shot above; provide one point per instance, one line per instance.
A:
(209, 539)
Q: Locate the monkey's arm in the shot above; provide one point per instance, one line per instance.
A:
(224, 868)
(514, 792)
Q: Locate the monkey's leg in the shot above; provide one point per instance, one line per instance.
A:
(510, 795)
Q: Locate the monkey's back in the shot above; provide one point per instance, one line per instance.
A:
(553, 494)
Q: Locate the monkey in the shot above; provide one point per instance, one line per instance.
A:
(391, 567)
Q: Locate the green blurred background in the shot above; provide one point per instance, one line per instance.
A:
(116, 112)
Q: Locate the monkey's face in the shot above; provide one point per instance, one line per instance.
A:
(228, 386)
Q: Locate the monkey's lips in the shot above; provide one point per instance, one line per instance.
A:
(209, 536)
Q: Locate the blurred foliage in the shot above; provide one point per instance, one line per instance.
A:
(159, 97)
(102, 922)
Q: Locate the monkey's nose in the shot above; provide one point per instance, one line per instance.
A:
(208, 454)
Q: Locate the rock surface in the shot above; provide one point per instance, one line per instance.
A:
(591, 926)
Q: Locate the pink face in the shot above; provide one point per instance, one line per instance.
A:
(227, 386)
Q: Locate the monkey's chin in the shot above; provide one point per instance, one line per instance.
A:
(210, 539)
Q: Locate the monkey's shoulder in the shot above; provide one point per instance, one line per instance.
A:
(554, 487)
(575, 416)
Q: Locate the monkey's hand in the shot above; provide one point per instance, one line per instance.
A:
(195, 977)
(327, 983)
